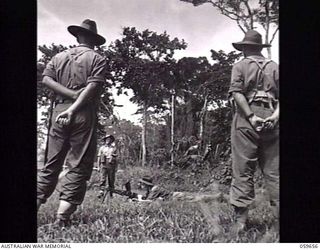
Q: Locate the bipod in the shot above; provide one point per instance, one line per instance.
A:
(127, 192)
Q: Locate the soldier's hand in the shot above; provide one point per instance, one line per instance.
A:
(256, 122)
(271, 121)
(64, 118)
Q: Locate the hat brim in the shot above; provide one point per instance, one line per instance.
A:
(239, 46)
(110, 136)
(98, 39)
(146, 182)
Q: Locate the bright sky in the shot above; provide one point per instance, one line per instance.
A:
(202, 27)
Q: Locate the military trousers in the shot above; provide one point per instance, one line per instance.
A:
(108, 171)
(249, 150)
(75, 143)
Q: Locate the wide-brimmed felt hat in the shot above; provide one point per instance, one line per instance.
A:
(109, 136)
(88, 27)
(252, 37)
(147, 181)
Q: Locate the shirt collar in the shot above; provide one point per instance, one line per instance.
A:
(84, 45)
(256, 55)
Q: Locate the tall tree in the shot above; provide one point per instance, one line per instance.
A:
(190, 74)
(216, 87)
(204, 87)
(141, 61)
(248, 13)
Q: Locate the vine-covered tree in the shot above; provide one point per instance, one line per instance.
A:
(190, 75)
(202, 98)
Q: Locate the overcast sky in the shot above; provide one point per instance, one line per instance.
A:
(202, 27)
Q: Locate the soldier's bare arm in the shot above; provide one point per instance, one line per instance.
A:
(60, 89)
(242, 103)
(272, 120)
(92, 90)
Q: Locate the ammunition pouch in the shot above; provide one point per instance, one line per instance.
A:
(262, 98)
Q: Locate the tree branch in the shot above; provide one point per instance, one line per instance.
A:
(232, 15)
(250, 14)
(239, 25)
(106, 107)
(273, 35)
(225, 12)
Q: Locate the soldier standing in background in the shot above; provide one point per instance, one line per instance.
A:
(107, 162)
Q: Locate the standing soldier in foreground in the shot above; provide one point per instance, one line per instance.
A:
(254, 131)
(76, 76)
(107, 163)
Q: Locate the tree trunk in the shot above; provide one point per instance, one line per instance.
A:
(267, 41)
(202, 119)
(217, 152)
(143, 139)
(269, 53)
(267, 28)
(173, 98)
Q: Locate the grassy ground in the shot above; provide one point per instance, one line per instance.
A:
(119, 220)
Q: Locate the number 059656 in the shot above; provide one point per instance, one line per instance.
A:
(310, 245)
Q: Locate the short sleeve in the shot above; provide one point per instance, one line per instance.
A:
(100, 151)
(237, 79)
(98, 70)
(50, 69)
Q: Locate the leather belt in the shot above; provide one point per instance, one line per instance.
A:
(60, 101)
(261, 104)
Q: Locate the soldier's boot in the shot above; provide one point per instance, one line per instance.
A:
(272, 234)
(64, 212)
(240, 219)
(110, 189)
(62, 223)
(111, 193)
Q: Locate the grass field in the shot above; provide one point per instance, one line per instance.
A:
(119, 220)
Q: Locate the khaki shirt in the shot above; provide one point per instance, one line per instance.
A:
(108, 152)
(158, 192)
(244, 77)
(75, 68)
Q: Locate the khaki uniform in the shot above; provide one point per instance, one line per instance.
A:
(249, 147)
(108, 154)
(74, 68)
(158, 192)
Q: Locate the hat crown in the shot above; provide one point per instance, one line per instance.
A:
(109, 136)
(89, 28)
(90, 25)
(252, 36)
